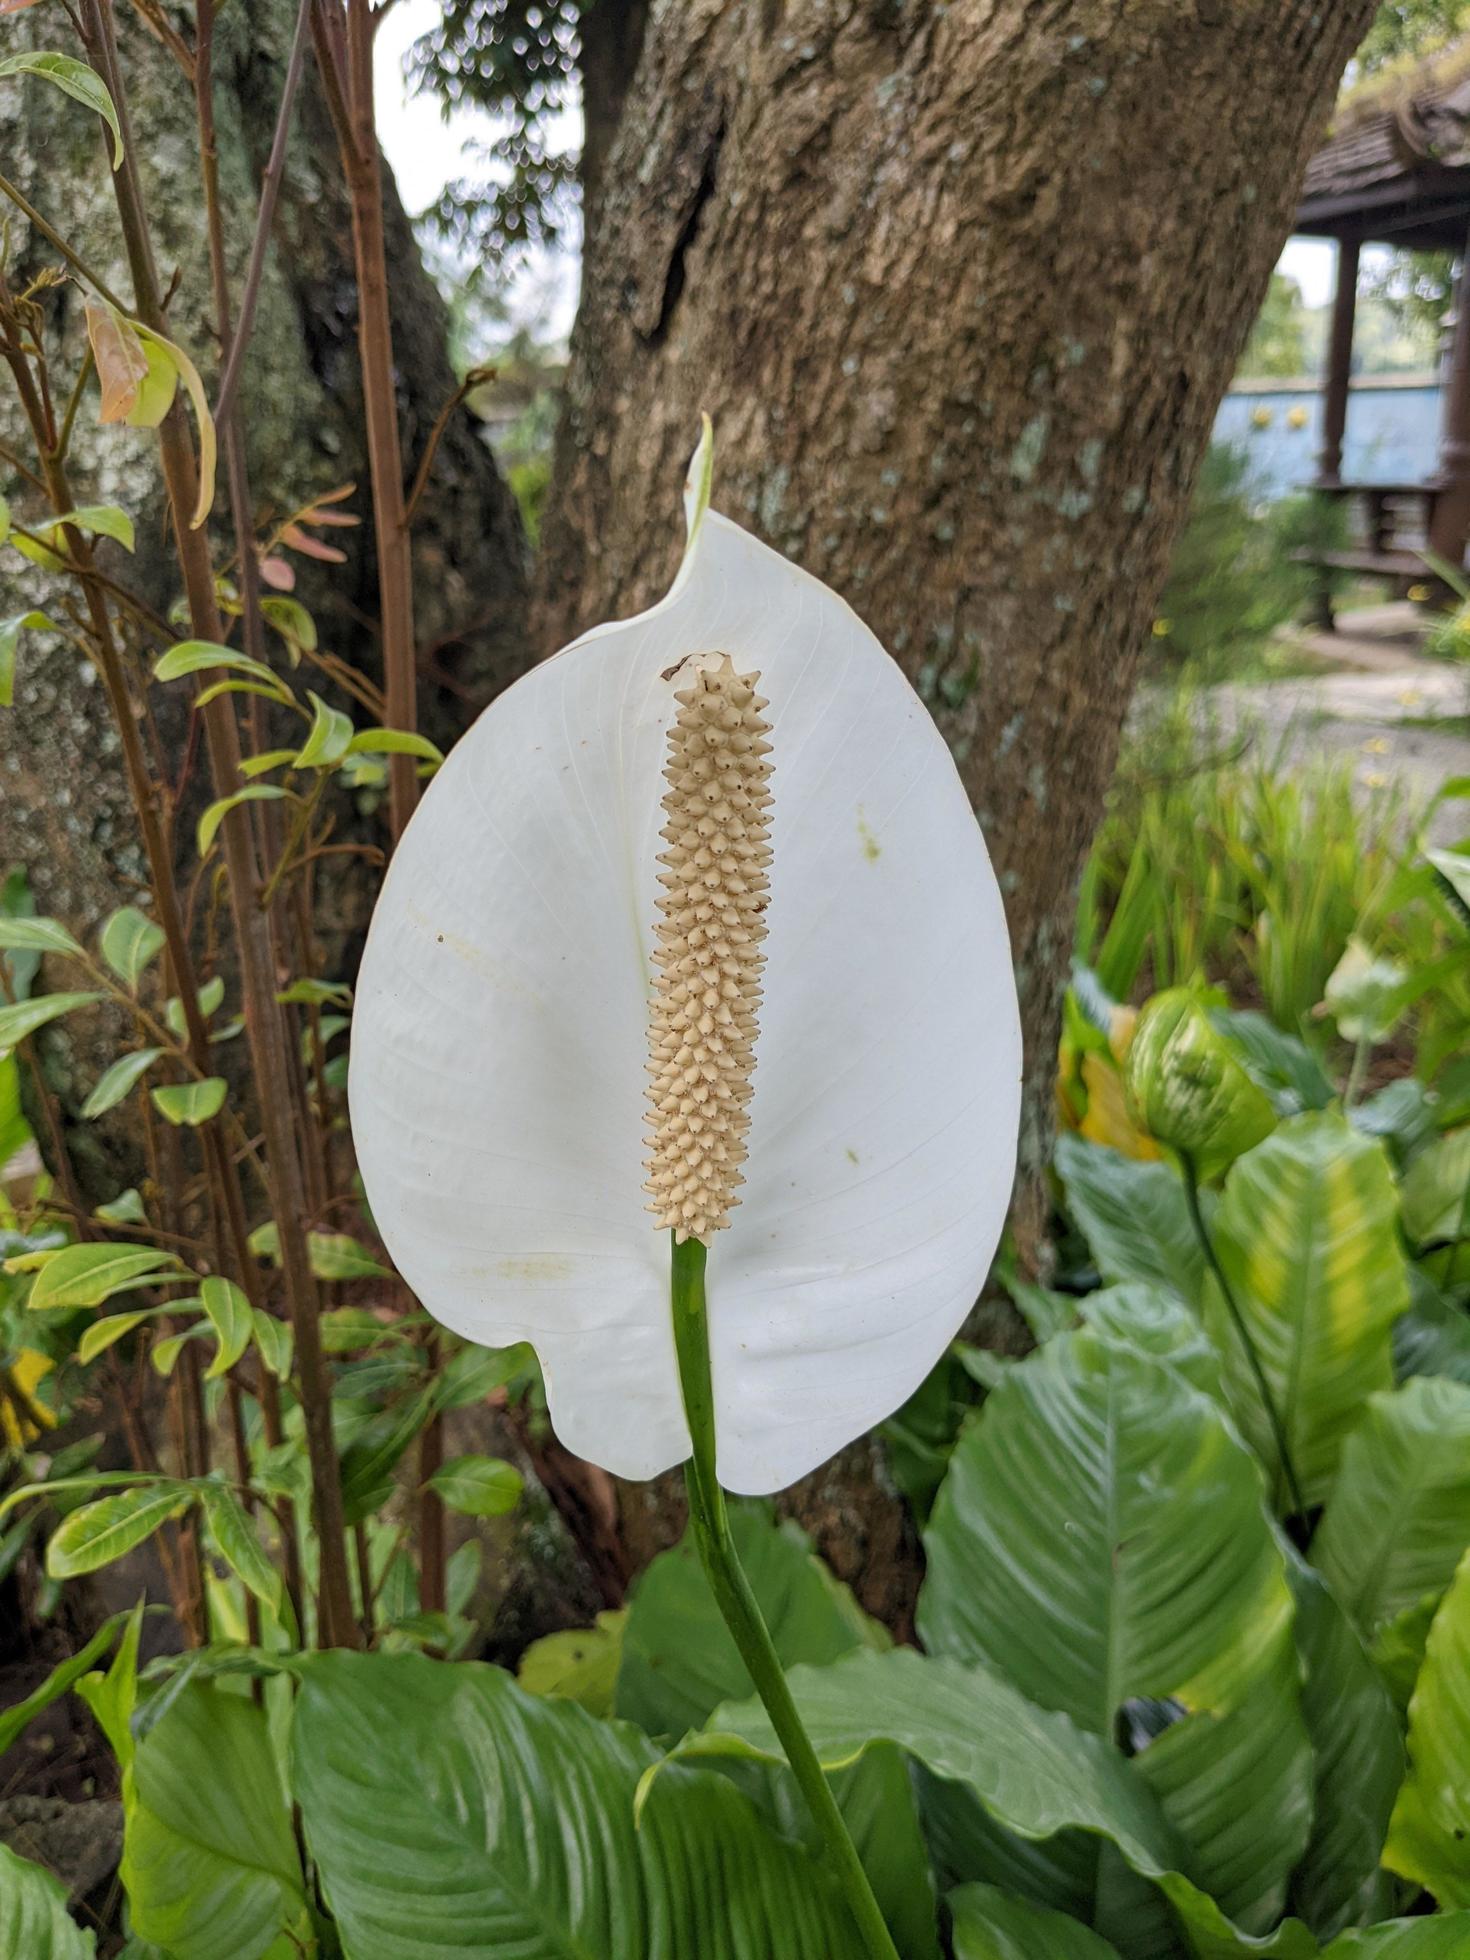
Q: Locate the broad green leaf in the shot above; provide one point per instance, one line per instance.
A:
(34, 1921)
(64, 1486)
(1399, 1517)
(86, 1275)
(394, 741)
(215, 815)
(130, 939)
(580, 1665)
(115, 1082)
(679, 1659)
(229, 1315)
(1429, 1838)
(1281, 1063)
(125, 1209)
(1155, 1323)
(102, 1334)
(15, 1720)
(1133, 1216)
(102, 520)
(478, 1486)
(198, 656)
(337, 1255)
(1100, 1541)
(10, 632)
(190, 1103)
(519, 1837)
(273, 1339)
(1436, 1191)
(329, 738)
(75, 79)
(374, 1453)
(1444, 1937)
(1306, 1235)
(1398, 1650)
(95, 1534)
(238, 1544)
(23, 1017)
(35, 935)
(1362, 994)
(1186, 1087)
(1358, 1763)
(990, 1925)
(209, 1858)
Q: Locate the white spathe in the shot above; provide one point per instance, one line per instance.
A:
(501, 1033)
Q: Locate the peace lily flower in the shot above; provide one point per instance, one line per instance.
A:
(719, 849)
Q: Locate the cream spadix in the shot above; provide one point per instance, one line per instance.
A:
(526, 1025)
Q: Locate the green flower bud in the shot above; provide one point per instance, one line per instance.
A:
(1187, 1089)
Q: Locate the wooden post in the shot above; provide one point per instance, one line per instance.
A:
(1449, 516)
(1339, 363)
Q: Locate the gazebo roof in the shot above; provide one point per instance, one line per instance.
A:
(1396, 164)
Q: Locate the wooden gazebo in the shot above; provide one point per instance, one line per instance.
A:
(1396, 171)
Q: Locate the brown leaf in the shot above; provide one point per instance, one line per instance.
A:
(311, 547)
(122, 361)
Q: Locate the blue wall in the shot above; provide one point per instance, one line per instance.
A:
(1392, 432)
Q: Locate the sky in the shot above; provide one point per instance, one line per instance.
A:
(425, 151)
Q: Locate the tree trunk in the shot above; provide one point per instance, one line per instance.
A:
(67, 815)
(962, 287)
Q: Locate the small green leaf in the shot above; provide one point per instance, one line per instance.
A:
(10, 632)
(38, 936)
(1435, 1195)
(579, 1665)
(4, 519)
(23, 1017)
(174, 355)
(273, 1338)
(77, 80)
(103, 1333)
(130, 939)
(261, 765)
(96, 1534)
(190, 1103)
(330, 737)
(102, 520)
(1362, 994)
(114, 1083)
(86, 1275)
(125, 1209)
(292, 621)
(197, 656)
(336, 1255)
(478, 1486)
(229, 1315)
(394, 741)
(209, 997)
(14, 1721)
(316, 993)
(164, 1354)
(238, 1544)
(215, 815)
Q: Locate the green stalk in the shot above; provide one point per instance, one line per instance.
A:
(1268, 1401)
(737, 1603)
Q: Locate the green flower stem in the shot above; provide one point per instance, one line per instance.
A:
(1268, 1401)
(737, 1603)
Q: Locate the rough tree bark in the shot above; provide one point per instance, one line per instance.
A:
(66, 812)
(962, 287)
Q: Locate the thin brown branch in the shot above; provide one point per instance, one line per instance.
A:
(472, 380)
(53, 237)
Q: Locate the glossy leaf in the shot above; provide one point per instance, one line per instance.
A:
(102, 520)
(1101, 1542)
(1436, 1191)
(395, 741)
(1399, 1518)
(86, 1275)
(273, 1340)
(1306, 1234)
(478, 1486)
(214, 816)
(117, 1081)
(1133, 1216)
(238, 1544)
(190, 1103)
(24, 1017)
(990, 1925)
(75, 79)
(95, 1534)
(519, 1838)
(1444, 1937)
(130, 940)
(199, 656)
(1429, 1838)
(34, 1921)
(497, 1080)
(33, 935)
(103, 1334)
(329, 738)
(579, 1665)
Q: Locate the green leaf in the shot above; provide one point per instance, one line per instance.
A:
(165, 1354)
(1358, 1763)
(115, 1082)
(394, 741)
(238, 1544)
(520, 1839)
(95, 1534)
(1429, 1838)
(15, 1720)
(1100, 1542)
(374, 1452)
(1306, 1235)
(1186, 1087)
(190, 1103)
(229, 1315)
(209, 1858)
(1133, 1216)
(207, 999)
(679, 1658)
(580, 1665)
(23, 1017)
(1436, 1191)
(103, 520)
(1399, 1517)
(10, 632)
(93, 1480)
(130, 939)
(33, 935)
(1454, 868)
(292, 621)
(316, 993)
(1442, 1938)
(1158, 1324)
(75, 79)
(1398, 1650)
(164, 353)
(125, 1209)
(329, 738)
(34, 1921)
(336, 1255)
(273, 1339)
(101, 1335)
(86, 1275)
(1282, 1064)
(215, 815)
(198, 656)
(990, 1925)
(478, 1486)
(1362, 994)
